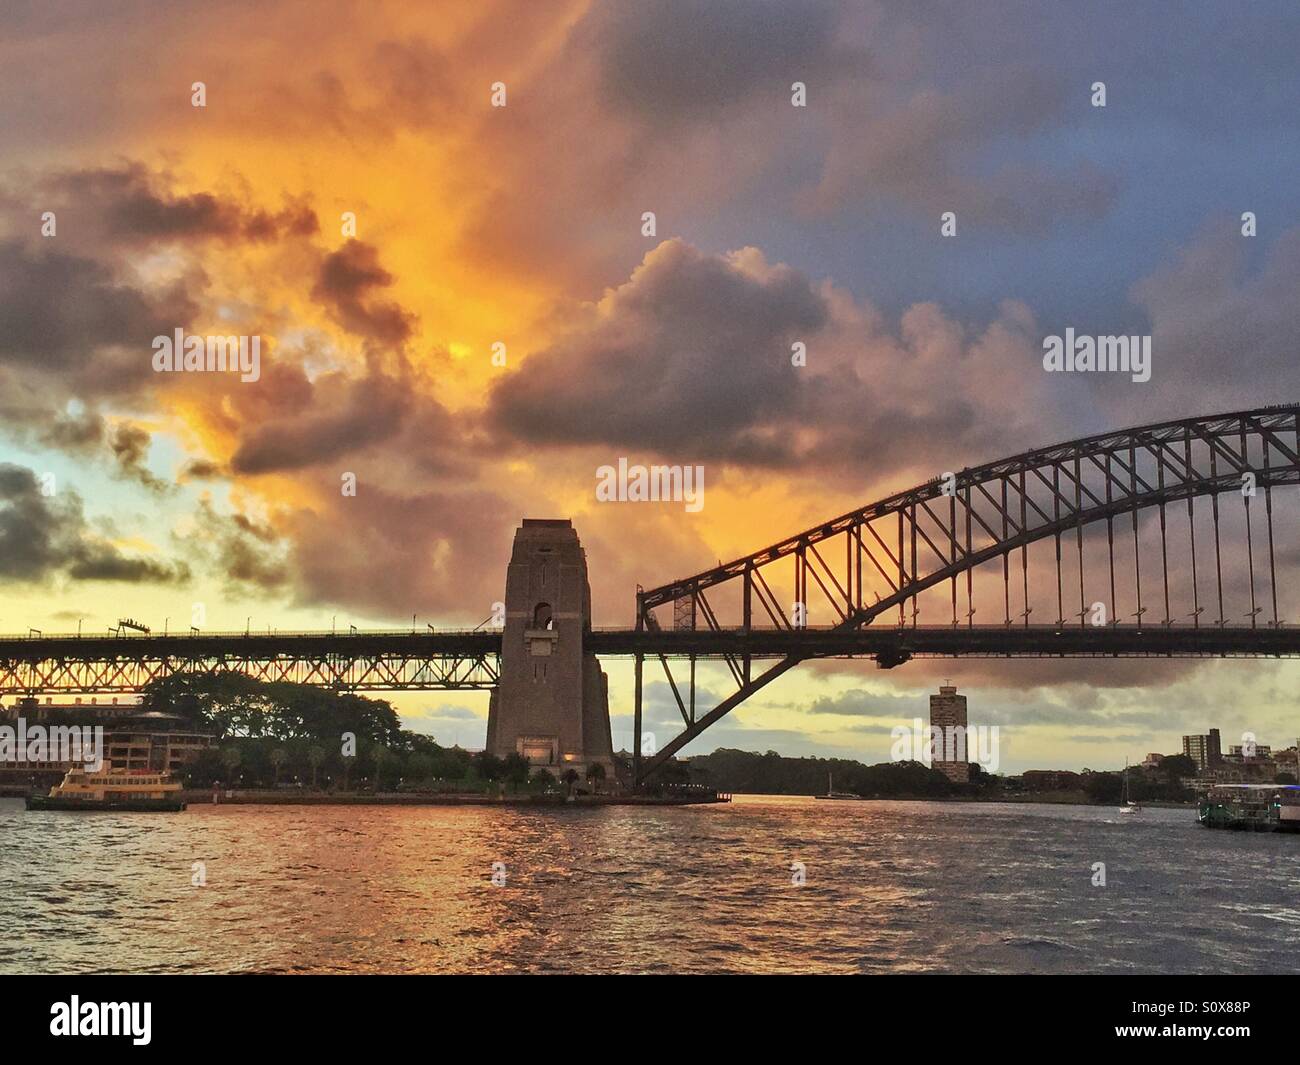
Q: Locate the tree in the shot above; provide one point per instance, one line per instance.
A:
(230, 759)
(570, 778)
(595, 774)
(348, 760)
(278, 757)
(515, 768)
(419, 766)
(544, 779)
(1103, 787)
(379, 754)
(1177, 766)
(315, 758)
(489, 766)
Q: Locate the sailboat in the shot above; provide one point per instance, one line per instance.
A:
(831, 793)
(1129, 806)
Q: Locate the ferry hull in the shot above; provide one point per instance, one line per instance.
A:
(163, 806)
(1223, 815)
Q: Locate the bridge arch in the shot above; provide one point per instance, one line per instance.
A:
(900, 547)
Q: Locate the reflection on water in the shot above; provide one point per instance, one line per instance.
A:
(890, 887)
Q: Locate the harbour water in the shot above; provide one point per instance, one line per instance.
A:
(887, 887)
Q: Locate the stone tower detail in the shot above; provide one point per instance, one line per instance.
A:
(552, 702)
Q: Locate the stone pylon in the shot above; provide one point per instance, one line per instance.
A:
(552, 703)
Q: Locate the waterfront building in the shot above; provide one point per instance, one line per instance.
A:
(134, 739)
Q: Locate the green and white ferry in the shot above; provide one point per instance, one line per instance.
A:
(1253, 807)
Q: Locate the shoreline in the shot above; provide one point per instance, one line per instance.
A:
(267, 798)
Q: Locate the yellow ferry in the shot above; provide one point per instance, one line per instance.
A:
(112, 789)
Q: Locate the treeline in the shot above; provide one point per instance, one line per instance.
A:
(277, 734)
(1164, 784)
(747, 772)
(232, 704)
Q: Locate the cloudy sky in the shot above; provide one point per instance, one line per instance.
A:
(523, 225)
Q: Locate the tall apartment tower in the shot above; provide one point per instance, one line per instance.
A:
(552, 702)
(1206, 751)
(948, 747)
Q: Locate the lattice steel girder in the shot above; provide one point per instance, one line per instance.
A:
(361, 662)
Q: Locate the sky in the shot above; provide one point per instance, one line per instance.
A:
(348, 192)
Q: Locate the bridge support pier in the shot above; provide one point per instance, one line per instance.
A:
(552, 704)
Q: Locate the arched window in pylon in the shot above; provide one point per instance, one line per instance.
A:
(542, 618)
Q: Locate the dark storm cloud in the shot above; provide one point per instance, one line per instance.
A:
(692, 353)
(683, 59)
(47, 536)
(133, 205)
(85, 434)
(240, 550)
(130, 447)
(345, 285)
(201, 470)
(692, 358)
(856, 702)
(325, 418)
(383, 417)
(66, 315)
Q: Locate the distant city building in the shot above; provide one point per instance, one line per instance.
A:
(1261, 752)
(1286, 761)
(948, 728)
(1206, 751)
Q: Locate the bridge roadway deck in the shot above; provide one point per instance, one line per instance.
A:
(886, 642)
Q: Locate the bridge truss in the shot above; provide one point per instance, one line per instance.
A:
(1063, 531)
(363, 662)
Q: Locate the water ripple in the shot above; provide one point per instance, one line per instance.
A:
(890, 887)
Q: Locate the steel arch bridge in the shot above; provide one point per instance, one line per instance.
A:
(1092, 505)
(1165, 540)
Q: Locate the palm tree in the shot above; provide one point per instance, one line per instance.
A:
(595, 774)
(278, 757)
(379, 754)
(315, 756)
(230, 759)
